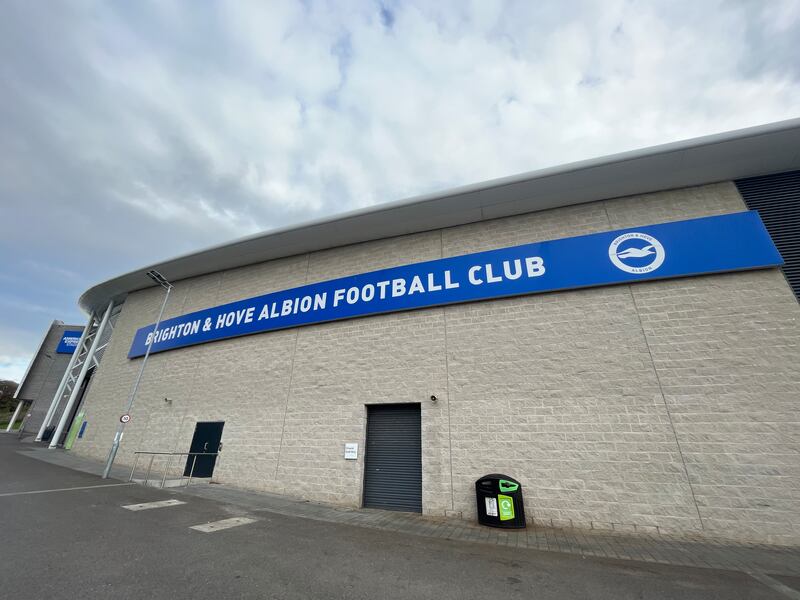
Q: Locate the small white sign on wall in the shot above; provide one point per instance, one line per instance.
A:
(351, 451)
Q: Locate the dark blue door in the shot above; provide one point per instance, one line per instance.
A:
(207, 437)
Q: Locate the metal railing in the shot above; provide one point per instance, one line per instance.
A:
(168, 463)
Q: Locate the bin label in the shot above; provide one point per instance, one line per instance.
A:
(506, 507)
(491, 507)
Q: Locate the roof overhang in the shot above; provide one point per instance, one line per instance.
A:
(761, 150)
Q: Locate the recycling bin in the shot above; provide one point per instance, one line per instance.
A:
(500, 503)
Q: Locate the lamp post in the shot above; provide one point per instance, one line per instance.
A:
(159, 279)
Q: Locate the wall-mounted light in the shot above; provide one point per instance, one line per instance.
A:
(168, 401)
(433, 398)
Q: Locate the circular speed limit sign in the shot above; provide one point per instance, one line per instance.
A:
(124, 418)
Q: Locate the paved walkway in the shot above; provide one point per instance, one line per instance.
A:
(756, 559)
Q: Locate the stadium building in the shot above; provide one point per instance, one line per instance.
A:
(621, 335)
(41, 381)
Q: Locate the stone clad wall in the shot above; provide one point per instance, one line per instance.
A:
(44, 377)
(666, 405)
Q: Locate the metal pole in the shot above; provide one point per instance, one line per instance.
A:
(149, 466)
(15, 415)
(60, 391)
(73, 397)
(216, 464)
(164, 479)
(133, 470)
(121, 428)
(191, 473)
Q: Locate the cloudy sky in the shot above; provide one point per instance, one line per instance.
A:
(135, 131)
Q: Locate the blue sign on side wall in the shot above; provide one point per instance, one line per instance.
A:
(69, 341)
(699, 246)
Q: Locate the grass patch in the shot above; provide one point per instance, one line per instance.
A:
(5, 418)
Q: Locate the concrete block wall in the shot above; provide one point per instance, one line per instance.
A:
(44, 377)
(662, 406)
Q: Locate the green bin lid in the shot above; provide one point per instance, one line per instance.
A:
(508, 486)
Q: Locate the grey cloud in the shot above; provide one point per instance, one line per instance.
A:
(136, 131)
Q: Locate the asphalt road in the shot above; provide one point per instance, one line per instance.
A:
(80, 543)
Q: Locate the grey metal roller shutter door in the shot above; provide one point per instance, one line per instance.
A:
(393, 463)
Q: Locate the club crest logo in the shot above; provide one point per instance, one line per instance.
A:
(636, 253)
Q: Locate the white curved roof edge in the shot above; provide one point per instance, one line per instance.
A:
(760, 150)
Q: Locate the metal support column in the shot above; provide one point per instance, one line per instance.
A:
(15, 415)
(159, 279)
(79, 382)
(65, 379)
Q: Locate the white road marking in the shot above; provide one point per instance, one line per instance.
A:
(775, 585)
(223, 524)
(84, 487)
(148, 505)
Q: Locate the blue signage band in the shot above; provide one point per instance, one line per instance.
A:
(731, 242)
(69, 342)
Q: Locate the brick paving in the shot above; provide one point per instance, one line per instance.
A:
(694, 551)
